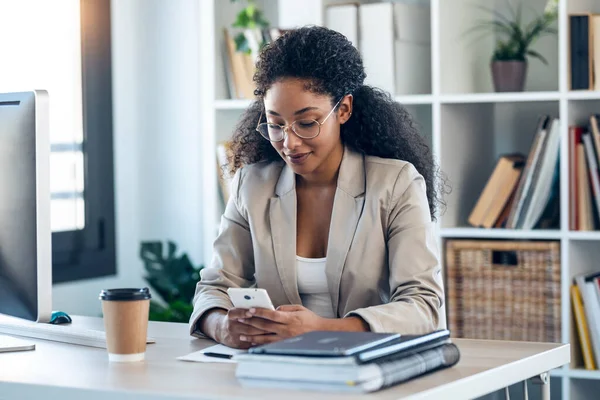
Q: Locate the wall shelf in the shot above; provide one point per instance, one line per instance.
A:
(465, 122)
(476, 233)
(584, 235)
(499, 97)
(583, 95)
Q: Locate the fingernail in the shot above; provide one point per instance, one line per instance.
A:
(241, 320)
(243, 338)
(252, 310)
(248, 315)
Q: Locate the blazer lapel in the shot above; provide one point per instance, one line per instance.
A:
(283, 233)
(347, 208)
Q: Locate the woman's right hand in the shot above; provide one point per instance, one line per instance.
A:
(229, 329)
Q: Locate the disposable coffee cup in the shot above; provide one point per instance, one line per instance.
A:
(126, 323)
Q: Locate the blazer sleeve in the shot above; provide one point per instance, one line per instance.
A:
(415, 279)
(232, 263)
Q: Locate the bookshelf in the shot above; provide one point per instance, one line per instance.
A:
(466, 123)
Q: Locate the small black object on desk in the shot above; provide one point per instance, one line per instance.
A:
(218, 355)
(60, 317)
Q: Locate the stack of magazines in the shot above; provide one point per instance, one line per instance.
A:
(355, 362)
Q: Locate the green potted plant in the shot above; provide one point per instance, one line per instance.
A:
(172, 279)
(514, 42)
(250, 17)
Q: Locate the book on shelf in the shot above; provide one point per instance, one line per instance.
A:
(497, 191)
(582, 329)
(585, 297)
(544, 178)
(584, 51)
(584, 176)
(523, 191)
(390, 363)
(240, 65)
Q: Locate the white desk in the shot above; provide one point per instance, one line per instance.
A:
(62, 371)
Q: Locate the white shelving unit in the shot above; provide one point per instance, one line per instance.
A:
(465, 122)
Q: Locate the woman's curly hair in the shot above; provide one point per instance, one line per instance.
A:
(332, 66)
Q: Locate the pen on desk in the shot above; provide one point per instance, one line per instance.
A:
(218, 355)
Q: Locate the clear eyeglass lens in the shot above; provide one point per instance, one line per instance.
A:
(270, 131)
(304, 128)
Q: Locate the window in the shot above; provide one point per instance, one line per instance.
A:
(64, 47)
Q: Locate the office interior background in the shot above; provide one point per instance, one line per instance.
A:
(145, 93)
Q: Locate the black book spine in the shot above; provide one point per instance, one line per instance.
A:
(585, 53)
(580, 72)
(573, 32)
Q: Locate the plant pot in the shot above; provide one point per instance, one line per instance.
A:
(509, 76)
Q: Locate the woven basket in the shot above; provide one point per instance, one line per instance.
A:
(503, 290)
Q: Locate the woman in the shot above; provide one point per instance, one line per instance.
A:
(331, 205)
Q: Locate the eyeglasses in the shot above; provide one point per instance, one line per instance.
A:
(303, 128)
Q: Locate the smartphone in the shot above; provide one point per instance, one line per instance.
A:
(249, 298)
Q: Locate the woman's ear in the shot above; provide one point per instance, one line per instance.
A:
(345, 109)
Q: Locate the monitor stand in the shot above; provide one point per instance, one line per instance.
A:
(10, 303)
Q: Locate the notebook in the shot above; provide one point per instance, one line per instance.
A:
(404, 346)
(9, 343)
(337, 374)
(326, 344)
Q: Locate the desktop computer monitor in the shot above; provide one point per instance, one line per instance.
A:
(25, 233)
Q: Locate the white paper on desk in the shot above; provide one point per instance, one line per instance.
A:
(198, 356)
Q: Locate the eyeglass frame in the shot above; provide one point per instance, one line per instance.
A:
(285, 127)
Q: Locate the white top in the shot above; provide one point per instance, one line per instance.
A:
(312, 286)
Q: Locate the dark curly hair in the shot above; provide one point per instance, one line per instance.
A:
(332, 66)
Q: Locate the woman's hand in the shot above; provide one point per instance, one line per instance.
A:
(229, 330)
(285, 322)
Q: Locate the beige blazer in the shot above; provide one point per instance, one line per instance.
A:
(382, 255)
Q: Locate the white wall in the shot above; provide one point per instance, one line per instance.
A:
(157, 134)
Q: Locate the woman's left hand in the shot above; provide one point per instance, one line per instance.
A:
(285, 322)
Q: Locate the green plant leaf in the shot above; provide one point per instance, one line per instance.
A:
(173, 278)
(171, 249)
(151, 254)
(260, 19)
(539, 27)
(537, 55)
(515, 39)
(507, 51)
(242, 20)
(250, 17)
(174, 312)
(251, 11)
(241, 44)
(497, 26)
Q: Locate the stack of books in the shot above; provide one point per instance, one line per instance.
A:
(356, 362)
(585, 298)
(523, 193)
(584, 178)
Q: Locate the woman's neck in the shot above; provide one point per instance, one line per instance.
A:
(327, 173)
